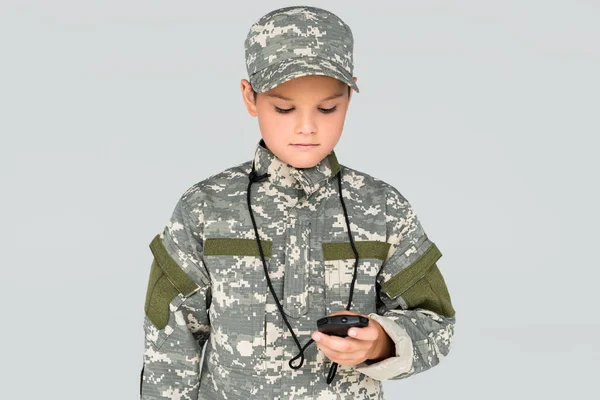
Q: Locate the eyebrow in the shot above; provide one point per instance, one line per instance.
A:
(334, 96)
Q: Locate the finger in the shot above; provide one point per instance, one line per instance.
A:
(358, 351)
(354, 348)
(332, 342)
(339, 344)
(368, 333)
(345, 355)
(344, 358)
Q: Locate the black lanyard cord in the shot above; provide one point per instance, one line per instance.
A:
(333, 368)
(253, 177)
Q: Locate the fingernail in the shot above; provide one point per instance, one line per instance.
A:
(352, 332)
(316, 336)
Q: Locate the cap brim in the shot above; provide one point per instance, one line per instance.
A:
(278, 73)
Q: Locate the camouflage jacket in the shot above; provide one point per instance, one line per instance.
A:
(207, 288)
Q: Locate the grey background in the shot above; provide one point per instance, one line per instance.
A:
(484, 114)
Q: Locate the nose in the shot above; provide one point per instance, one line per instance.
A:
(306, 123)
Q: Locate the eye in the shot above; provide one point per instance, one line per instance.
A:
(282, 110)
(327, 110)
(323, 110)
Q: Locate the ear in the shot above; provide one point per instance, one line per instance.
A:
(248, 97)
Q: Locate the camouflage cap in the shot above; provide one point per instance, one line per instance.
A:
(295, 41)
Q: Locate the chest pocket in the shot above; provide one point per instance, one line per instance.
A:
(239, 293)
(339, 259)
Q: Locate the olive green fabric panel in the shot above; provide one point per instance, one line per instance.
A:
(430, 293)
(166, 281)
(236, 247)
(160, 293)
(438, 285)
(411, 274)
(155, 274)
(333, 163)
(172, 270)
(365, 248)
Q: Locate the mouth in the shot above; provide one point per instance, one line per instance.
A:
(304, 147)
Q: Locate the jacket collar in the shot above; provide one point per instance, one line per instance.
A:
(287, 176)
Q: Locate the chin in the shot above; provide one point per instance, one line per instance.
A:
(303, 163)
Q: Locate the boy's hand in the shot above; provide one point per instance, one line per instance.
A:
(368, 343)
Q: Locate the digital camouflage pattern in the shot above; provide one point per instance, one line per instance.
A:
(207, 288)
(295, 41)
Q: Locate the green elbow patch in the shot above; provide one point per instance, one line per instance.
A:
(365, 249)
(430, 293)
(236, 247)
(167, 280)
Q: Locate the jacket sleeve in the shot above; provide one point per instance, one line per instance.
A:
(414, 306)
(176, 323)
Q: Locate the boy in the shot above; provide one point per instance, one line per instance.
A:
(253, 256)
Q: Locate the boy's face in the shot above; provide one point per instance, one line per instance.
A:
(306, 110)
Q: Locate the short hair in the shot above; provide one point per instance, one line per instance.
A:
(255, 94)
